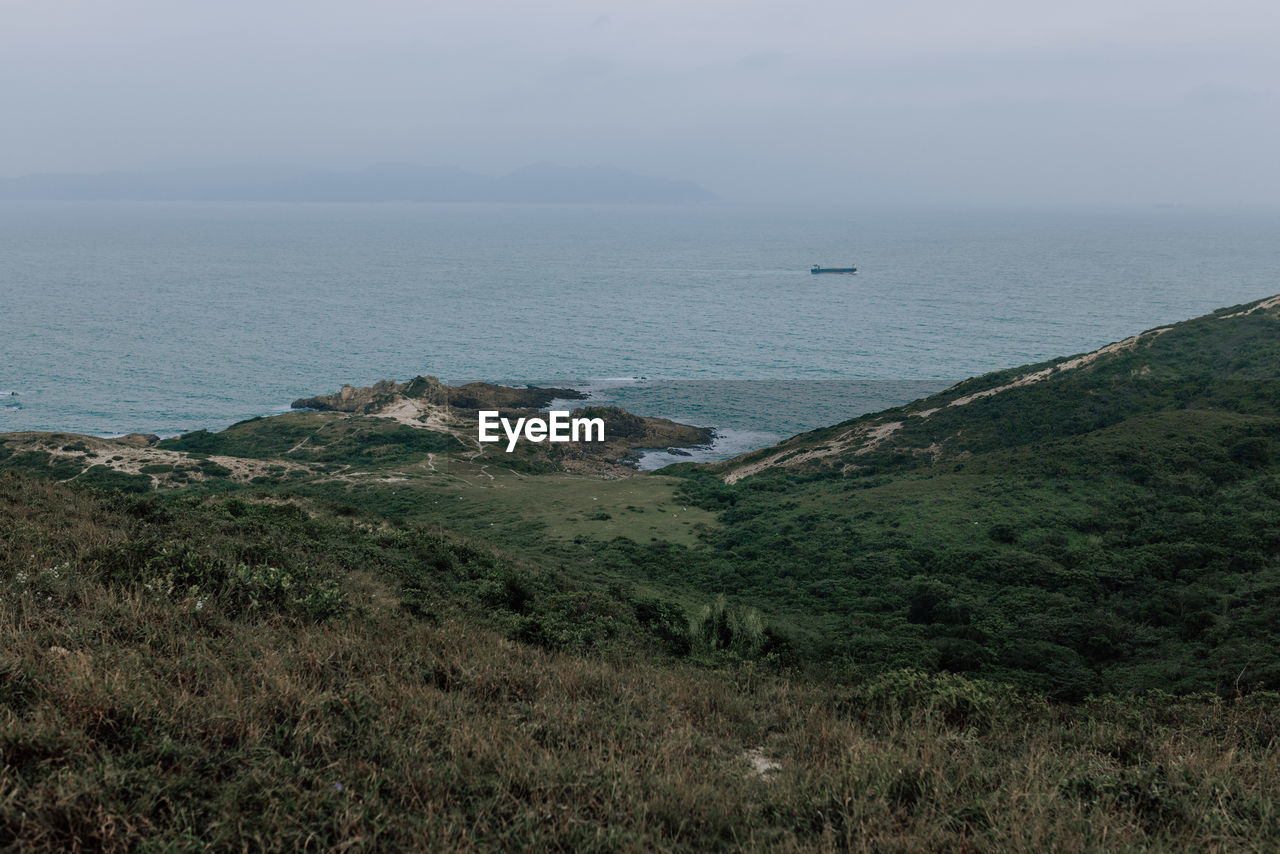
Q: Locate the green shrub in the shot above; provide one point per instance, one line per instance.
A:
(720, 627)
(212, 469)
(104, 477)
(953, 700)
(667, 622)
(182, 573)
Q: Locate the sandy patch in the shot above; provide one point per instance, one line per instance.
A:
(862, 440)
(416, 413)
(1069, 365)
(762, 766)
(865, 439)
(134, 456)
(1265, 305)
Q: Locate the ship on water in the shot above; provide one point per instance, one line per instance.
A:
(820, 269)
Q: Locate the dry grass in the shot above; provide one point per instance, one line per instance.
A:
(135, 721)
(127, 723)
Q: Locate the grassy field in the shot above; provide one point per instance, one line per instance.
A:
(464, 496)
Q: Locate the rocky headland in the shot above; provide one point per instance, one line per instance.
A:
(425, 401)
(352, 433)
(375, 399)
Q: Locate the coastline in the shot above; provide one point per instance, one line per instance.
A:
(744, 415)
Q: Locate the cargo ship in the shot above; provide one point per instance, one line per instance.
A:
(818, 269)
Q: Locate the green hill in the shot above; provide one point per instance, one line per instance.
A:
(1104, 522)
(1224, 362)
(1038, 609)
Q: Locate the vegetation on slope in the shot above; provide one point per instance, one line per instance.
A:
(1108, 522)
(1223, 362)
(1110, 525)
(138, 712)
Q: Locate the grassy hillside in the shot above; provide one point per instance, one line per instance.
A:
(1105, 522)
(243, 672)
(1223, 362)
(1037, 609)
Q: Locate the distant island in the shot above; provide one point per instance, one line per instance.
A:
(542, 183)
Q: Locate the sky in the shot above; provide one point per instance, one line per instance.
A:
(1111, 102)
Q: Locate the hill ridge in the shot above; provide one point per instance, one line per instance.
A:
(865, 434)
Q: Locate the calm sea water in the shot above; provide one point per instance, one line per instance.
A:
(159, 317)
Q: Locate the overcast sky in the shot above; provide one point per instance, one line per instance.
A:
(911, 101)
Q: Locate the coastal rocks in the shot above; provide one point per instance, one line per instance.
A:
(361, 400)
(489, 396)
(471, 396)
(426, 403)
(638, 431)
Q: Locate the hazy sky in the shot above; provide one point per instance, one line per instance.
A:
(1088, 101)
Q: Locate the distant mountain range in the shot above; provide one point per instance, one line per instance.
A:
(543, 183)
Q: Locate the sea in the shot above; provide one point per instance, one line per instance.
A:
(157, 317)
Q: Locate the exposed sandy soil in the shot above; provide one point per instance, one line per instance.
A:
(418, 413)
(1272, 304)
(1069, 365)
(129, 454)
(761, 765)
(859, 440)
(867, 437)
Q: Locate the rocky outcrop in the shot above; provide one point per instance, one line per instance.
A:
(352, 418)
(488, 396)
(371, 398)
(425, 402)
(638, 431)
(473, 396)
